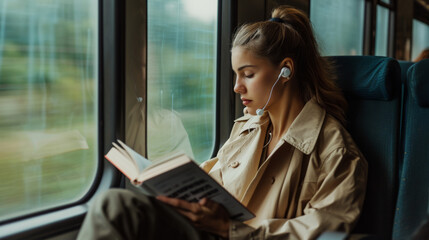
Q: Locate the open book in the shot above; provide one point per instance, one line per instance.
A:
(177, 177)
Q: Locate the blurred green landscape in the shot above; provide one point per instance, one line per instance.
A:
(182, 49)
(48, 103)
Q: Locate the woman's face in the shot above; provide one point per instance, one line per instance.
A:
(254, 78)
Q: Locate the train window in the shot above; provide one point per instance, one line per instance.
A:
(48, 103)
(381, 31)
(338, 25)
(420, 37)
(181, 83)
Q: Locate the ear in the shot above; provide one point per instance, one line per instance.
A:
(287, 62)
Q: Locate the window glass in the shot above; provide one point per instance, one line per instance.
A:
(181, 87)
(381, 31)
(48, 103)
(338, 25)
(420, 38)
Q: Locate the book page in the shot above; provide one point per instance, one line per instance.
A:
(141, 162)
(122, 163)
(125, 154)
(163, 166)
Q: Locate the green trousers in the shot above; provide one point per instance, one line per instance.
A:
(123, 214)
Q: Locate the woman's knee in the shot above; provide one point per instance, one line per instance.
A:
(114, 195)
(117, 201)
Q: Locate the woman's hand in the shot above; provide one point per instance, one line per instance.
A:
(206, 215)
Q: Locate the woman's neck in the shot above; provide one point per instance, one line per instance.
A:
(284, 112)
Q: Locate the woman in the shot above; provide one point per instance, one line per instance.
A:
(289, 159)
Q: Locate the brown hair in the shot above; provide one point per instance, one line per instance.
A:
(423, 55)
(293, 37)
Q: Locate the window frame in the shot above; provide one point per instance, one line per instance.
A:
(370, 26)
(389, 29)
(66, 218)
(225, 99)
(421, 14)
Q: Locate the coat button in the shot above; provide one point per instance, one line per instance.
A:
(273, 180)
(234, 164)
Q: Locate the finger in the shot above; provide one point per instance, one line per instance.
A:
(170, 201)
(163, 198)
(191, 216)
(181, 204)
(175, 202)
(208, 203)
(203, 201)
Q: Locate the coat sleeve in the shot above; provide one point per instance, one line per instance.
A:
(335, 205)
(208, 165)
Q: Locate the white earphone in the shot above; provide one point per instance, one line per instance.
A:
(285, 72)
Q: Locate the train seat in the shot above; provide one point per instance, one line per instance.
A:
(413, 197)
(405, 65)
(372, 88)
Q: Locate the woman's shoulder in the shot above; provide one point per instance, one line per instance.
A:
(334, 136)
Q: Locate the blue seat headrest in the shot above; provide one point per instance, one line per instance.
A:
(367, 77)
(418, 77)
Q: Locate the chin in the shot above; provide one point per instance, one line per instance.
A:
(250, 111)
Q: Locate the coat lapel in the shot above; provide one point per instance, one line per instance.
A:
(239, 158)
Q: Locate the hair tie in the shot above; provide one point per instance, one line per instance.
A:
(279, 20)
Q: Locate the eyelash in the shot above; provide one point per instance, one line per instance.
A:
(249, 76)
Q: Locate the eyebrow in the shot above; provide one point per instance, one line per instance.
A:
(245, 66)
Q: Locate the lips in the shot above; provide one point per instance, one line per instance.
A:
(246, 101)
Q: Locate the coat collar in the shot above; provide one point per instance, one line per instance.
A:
(304, 130)
(252, 121)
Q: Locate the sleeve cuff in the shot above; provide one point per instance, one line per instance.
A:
(240, 231)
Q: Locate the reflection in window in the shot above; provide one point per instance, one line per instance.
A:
(182, 45)
(381, 31)
(338, 25)
(48, 103)
(420, 38)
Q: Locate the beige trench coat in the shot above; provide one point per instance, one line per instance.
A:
(313, 181)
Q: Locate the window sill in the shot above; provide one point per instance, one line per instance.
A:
(46, 225)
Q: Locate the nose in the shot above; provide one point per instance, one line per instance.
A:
(238, 86)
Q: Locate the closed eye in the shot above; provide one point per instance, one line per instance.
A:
(249, 76)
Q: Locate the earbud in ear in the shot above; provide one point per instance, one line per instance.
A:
(285, 72)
